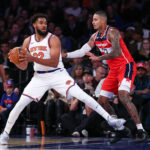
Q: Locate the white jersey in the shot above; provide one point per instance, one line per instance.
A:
(41, 50)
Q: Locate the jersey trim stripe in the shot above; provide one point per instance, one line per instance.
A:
(129, 70)
(69, 88)
(31, 97)
(29, 42)
(95, 35)
(104, 32)
(124, 56)
(49, 40)
(41, 40)
(107, 35)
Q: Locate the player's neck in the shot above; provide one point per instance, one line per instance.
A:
(39, 37)
(102, 29)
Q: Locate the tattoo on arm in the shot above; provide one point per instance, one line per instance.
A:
(91, 41)
(114, 38)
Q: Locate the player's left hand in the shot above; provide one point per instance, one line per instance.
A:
(92, 56)
(25, 57)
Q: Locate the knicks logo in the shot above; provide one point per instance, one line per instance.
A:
(68, 82)
(40, 48)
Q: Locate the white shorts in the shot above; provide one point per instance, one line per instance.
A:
(40, 83)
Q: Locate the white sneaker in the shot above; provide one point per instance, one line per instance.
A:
(114, 122)
(4, 138)
(4, 147)
(84, 133)
(76, 134)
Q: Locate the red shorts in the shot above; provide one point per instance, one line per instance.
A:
(119, 79)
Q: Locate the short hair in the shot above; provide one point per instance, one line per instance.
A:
(101, 13)
(35, 17)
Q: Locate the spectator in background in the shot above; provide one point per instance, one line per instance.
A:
(9, 76)
(25, 15)
(101, 73)
(14, 8)
(4, 47)
(10, 21)
(86, 27)
(23, 27)
(87, 78)
(145, 50)
(129, 11)
(128, 35)
(72, 29)
(77, 74)
(95, 65)
(72, 119)
(113, 17)
(65, 41)
(51, 27)
(83, 15)
(2, 26)
(137, 42)
(57, 12)
(75, 9)
(141, 96)
(3, 84)
(55, 106)
(34, 7)
(8, 101)
(15, 37)
(74, 62)
(147, 63)
(6, 35)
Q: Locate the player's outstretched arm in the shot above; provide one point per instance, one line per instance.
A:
(114, 37)
(82, 51)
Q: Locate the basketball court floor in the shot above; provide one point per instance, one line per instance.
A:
(70, 143)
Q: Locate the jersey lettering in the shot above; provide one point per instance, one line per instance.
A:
(41, 48)
(105, 47)
(39, 55)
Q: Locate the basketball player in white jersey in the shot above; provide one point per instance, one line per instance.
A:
(44, 49)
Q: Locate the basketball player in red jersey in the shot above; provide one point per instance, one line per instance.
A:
(122, 69)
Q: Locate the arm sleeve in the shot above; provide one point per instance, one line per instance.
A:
(79, 53)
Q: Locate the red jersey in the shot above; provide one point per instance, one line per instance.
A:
(105, 47)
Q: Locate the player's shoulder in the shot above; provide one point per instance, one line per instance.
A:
(28, 39)
(113, 30)
(93, 36)
(54, 39)
(113, 33)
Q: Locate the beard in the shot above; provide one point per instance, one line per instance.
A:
(42, 33)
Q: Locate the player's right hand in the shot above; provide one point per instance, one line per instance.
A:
(64, 54)
(25, 57)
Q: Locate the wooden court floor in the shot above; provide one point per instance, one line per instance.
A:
(70, 143)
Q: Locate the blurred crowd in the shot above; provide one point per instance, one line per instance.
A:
(71, 21)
